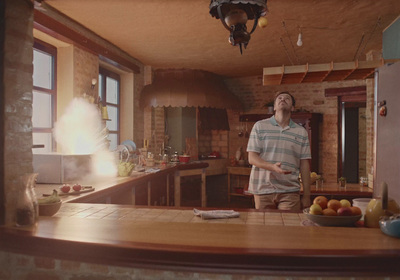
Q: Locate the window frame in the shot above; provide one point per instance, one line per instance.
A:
(52, 51)
(103, 95)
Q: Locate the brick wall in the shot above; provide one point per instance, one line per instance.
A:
(309, 97)
(86, 67)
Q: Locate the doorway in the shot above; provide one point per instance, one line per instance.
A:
(352, 138)
(352, 131)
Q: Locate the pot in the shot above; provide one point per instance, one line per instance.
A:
(380, 207)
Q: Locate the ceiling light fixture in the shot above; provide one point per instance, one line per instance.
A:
(234, 15)
(300, 39)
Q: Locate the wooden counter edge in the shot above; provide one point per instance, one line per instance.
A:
(313, 262)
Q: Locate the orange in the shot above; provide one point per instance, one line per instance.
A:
(334, 204)
(321, 200)
(356, 211)
(329, 212)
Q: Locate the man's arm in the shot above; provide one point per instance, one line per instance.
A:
(255, 159)
(305, 178)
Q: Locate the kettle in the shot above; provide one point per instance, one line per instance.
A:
(379, 207)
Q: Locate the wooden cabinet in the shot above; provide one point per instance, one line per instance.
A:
(310, 121)
(238, 179)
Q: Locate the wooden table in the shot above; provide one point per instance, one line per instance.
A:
(189, 172)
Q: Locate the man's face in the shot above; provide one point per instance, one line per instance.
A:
(283, 102)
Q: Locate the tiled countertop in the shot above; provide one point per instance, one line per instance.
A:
(120, 212)
(174, 238)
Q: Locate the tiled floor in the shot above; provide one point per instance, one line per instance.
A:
(106, 211)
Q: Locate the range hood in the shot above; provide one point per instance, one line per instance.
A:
(188, 88)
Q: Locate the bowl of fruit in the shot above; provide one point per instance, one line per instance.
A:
(333, 212)
(49, 206)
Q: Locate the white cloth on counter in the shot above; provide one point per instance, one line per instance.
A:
(152, 170)
(216, 214)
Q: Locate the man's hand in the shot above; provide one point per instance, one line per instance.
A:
(277, 168)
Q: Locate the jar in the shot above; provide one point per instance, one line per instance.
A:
(364, 181)
(374, 211)
(27, 210)
(175, 157)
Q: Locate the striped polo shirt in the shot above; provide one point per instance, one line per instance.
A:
(276, 144)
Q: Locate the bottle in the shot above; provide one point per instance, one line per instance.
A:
(27, 210)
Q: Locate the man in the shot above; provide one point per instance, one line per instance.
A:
(279, 149)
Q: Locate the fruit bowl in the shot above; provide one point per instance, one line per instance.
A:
(49, 209)
(332, 221)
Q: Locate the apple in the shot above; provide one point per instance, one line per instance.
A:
(321, 200)
(344, 211)
(65, 188)
(315, 209)
(345, 203)
(77, 187)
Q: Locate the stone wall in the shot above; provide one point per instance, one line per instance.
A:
(17, 100)
(17, 266)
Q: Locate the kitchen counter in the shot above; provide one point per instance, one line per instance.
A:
(106, 187)
(258, 242)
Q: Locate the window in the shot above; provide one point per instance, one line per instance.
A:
(109, 87)
(44, 96)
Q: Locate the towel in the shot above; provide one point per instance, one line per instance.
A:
(216, 214)
(152, 170)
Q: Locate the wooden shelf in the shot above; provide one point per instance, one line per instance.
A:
(317, 73)
(237, 172)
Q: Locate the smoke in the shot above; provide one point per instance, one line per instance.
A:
(80, 131)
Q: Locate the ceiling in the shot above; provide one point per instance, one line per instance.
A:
(182, 34)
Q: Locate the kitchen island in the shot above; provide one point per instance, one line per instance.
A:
(172, 241)
(274, 243)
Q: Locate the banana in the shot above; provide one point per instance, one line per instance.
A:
(53, 198)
